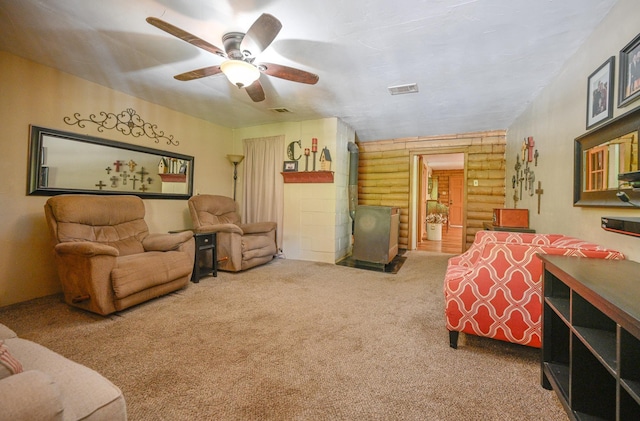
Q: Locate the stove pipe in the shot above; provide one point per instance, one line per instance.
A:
(353, 178)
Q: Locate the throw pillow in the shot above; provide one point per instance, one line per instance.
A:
(9, 364)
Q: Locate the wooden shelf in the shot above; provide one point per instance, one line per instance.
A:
(173, 178)
(591, 336)
(308, 177)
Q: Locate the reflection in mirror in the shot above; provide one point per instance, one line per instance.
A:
(62, 162)
(603, 163)
(601, 156)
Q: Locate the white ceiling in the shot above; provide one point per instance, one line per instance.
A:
(477, 63)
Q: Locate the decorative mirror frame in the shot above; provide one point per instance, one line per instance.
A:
(36, 158)
(624, 124)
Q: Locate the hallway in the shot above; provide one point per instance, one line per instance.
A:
(451, 242)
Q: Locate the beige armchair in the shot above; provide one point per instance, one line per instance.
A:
(239, 246)
(107, 260)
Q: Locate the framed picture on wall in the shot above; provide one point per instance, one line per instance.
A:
(290, 166)
(600, 93)
(629, 83)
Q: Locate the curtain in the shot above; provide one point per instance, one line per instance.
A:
(263, 192)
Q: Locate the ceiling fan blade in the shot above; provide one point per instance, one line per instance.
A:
(185, 36)
(197, 74)
(288, 73)
(261, 34)
(255, 91)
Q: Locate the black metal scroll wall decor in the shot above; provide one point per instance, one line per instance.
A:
(127, 122)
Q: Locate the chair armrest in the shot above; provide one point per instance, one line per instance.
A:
(31, 395)
(86, 248)
(166, 242)
(84, 269)
(230, 228)
(258, 227)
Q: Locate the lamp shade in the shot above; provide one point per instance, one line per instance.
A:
(235, 159)
(240, 73)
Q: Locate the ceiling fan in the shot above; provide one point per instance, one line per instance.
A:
(240, 51)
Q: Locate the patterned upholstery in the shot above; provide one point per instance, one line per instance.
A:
(494, 289)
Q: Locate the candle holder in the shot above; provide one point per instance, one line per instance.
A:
(314, 149)
(306, 159)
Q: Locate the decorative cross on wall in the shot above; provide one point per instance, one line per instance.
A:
(132, 165)
(100, 185)
(530, 143)
(124, 178)
(114, 181)
(142, 173)
(143, 187)
(117, 164)
(539, 192)
(135, 180)
(108, 170)
(516, 181)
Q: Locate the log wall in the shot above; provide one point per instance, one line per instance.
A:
(383, 175)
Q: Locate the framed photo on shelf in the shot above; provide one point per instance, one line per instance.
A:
(629, 83)
(290, 166)
(600, 93)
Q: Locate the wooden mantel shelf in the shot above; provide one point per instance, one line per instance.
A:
(173, 178)
(308, 177)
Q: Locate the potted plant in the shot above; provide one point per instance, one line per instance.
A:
(435, 219)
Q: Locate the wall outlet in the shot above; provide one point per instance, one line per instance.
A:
(475, 183)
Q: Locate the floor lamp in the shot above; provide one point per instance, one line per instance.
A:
(235, 160)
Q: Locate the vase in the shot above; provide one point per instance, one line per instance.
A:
(434, 231)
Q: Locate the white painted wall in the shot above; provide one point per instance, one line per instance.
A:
(555, 118)
(316, 215)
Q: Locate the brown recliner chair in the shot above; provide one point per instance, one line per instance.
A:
(107, 260)
(239, 246)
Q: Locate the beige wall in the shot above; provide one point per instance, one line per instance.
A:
(316, 215)
(555, 118)
(34, 94)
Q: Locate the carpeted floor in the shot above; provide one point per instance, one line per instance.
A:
(296, 340)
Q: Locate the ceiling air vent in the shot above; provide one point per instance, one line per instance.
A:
(280, 110)
(403, 89)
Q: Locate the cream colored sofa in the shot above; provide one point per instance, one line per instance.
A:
(51, 387)
(106, 258)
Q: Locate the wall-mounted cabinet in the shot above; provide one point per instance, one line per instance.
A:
(590, 336)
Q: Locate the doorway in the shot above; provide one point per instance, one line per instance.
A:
(442, 181)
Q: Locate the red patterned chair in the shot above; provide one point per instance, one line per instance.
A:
(494, 289)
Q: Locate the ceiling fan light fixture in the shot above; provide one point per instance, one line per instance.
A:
(240, 73)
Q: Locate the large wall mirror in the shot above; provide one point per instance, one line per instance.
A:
(63, 162)
(601, 156)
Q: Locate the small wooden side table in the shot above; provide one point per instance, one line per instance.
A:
(205, 241)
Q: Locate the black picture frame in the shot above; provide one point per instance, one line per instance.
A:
(290, 166)
(600, 93)
(629, 78)
(43, 175)
(619, 126)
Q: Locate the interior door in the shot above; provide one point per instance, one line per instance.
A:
(456, 188)
(424, 178)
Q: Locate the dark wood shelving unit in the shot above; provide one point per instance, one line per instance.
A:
(590, 336)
